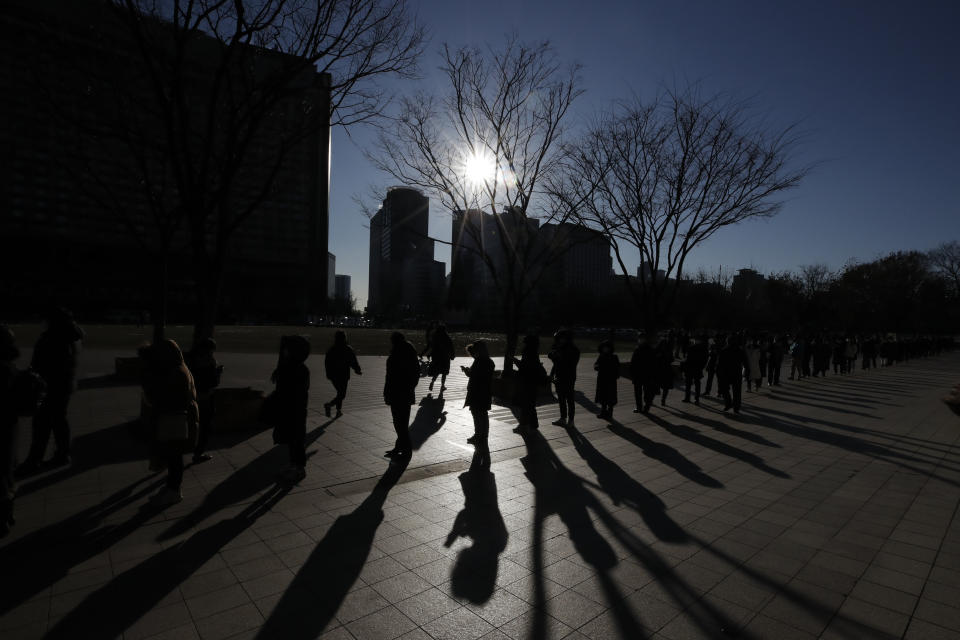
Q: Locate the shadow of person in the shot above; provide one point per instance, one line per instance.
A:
(314, 596)
(429, 419)
(666, 454)
(474, 574)
(623, 489)
(116, 606)
(42, 557)
(243, 483)
(558, 490)
(723, 427)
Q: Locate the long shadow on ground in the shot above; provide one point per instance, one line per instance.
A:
(429, 419)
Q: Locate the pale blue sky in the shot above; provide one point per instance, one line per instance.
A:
(875, 87)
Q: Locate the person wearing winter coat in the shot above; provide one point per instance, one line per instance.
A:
(565, 356)
(664, 365)
(441, 353)
(206, 377)
(403, 373)
(754, 372)
(531, 374)
(607, 367)
(9, 412)
(54, 360)
(693, 366)
(171, 396)
(775, 360)
(730, 366)
(643, 370)
(712, 353)
(340, 359)
(479, 398)
(851, 351)
(292, 378)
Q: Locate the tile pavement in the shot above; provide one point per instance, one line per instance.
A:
(827, 510)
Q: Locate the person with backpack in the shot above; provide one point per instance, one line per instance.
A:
(206, 373)
(340, 359)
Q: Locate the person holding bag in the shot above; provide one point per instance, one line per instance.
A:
(171, 397)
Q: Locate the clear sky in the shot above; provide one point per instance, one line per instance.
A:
(875, 86)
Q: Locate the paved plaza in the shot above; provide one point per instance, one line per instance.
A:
(827, 509)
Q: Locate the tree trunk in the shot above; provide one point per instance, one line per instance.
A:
(160, 301)
(208, 286)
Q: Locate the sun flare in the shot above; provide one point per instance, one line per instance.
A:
(479, 169)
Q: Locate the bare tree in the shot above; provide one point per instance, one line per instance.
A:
(945, 259)
(815, 279)
(662, 177)
(229, 93)
(484, 150)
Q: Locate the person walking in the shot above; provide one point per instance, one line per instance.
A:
(730, 366)
(292, 377)
(171, 397)
(664, 369)
(643, 370)
(479, 399)
(565, 357)
(340, 359)
(399, 391)
(607, 367)
(206, 372)
(441, 353)
(696, 360)
(54, 360)
(531, 374)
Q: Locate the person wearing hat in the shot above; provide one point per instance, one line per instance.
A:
(399, 390)
(54, 360)
(292, 378)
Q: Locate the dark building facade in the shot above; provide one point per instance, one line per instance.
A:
(84, 175)
(405, 280)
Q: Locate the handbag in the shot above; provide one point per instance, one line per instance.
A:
(172, 427)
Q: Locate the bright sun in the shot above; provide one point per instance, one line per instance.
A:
(479, 169)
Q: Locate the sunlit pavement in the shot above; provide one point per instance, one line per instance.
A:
(827, 509)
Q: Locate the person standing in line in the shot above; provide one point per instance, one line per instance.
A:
(292, 396)
(753, 372)
(712, 353)
(206, 374)
(480, 398)
(531, 375)
(607, 367)
(869, 353)
(796, 359)
(399, 391)
(730, 366)
(839, 356)
(54, 360)
(809, 347)
(775, 360)
(851, 351)
(643, 370)
(340, 359)
(171, 396)
(441, 353)
(697, 357)
(565, 357)
(664, 367)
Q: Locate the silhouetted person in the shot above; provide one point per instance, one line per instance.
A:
(808, 349)
(607, 367)
(565, 357)
(869, 353)
(754, 371)
(403, 373)
(693, 368)
(54, 360)
(839, 356)
(441, 353)
(171, 396)
(531, 374)
(850, 351)
(775, 360)
(712, 353)
(479, 398)
(206, 377)
(664, 365)
(292, 395)
(12, 403)
(340, 359)
(730, 366)
(643, 370)
(797, 355)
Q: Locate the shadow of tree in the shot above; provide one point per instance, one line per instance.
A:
(311, 601)
(115, 607)
(474, 574)
(429, 419)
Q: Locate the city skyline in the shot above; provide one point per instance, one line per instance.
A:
(873, 94)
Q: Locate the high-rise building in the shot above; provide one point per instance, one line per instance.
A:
(578, 258)
(342, 287)
(85, 169)
(404, 278)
